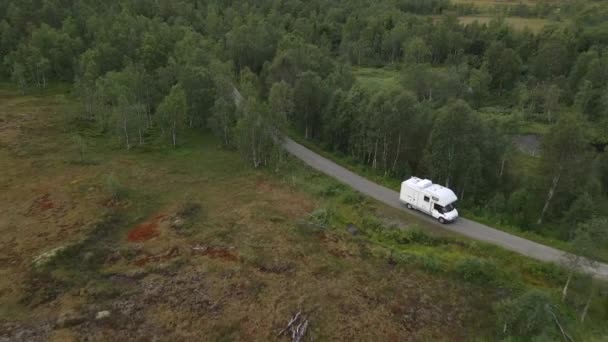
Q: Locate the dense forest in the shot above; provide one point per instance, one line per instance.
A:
(147, 70)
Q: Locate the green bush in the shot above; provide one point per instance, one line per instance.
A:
(549, 272)
(431, 264)
(371, 226)
(473, 269)
(413, 236)
(332, 190)
(352, 197)
(321, 216)
(531, 316)
(115, 188)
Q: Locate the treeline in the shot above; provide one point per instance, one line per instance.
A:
(246, 70)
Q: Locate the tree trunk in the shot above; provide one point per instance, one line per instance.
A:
(502, 165)
(384, 162)
(584, 314)
(126, 131)
(462, 192)
(550, 194)
(148, 109)
(397, 154)
(173, 133)
(375, 160)
(256, 161)
(565, 289)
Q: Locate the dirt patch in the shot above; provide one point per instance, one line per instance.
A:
(168, 254)
(264, 187)
(147, 230)
(41, 204)
(277, 268)
(223, 253)
(111, 203)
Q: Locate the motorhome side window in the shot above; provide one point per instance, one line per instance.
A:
(438, 208)
(426, 198)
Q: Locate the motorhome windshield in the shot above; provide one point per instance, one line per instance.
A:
(444, 210)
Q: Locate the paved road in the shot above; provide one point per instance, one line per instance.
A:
(462, 226)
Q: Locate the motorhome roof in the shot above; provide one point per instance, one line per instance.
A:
(442, 195)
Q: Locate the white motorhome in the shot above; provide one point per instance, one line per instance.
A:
(432, 199)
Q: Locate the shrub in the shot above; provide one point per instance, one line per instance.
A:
(321, 216)
(332, 190)
(422, 238)
(530, 317)
(549, 272)
(413, 236)
(473, 269)
(189, 209)
(115, 188)
(431, 264)
(371, 223)
(352, 197)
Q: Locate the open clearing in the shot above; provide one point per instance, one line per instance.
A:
(490, 9)
(373, 79)
(533, 24)
(491, 3)
(191, 244)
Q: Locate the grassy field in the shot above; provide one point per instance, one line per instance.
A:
(190, 244)
(492, 3)
(487, 10)
(372, 79)
(533, 24)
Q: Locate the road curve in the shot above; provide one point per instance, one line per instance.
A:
(462, 226)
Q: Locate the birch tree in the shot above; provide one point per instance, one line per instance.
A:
(172, 111)
(223, 119)
(453, 145)
(200, 90)
(280, 99)
(309, 97)
(416, 51)
(257, 134)
(116, 99)
(562, 159)
(591, 238)
(84, 86)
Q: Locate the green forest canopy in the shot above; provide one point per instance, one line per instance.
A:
(149, 68)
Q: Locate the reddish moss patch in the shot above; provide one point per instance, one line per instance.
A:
(141, 261)
(43, 203)
(143, 232)
(147, 230)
